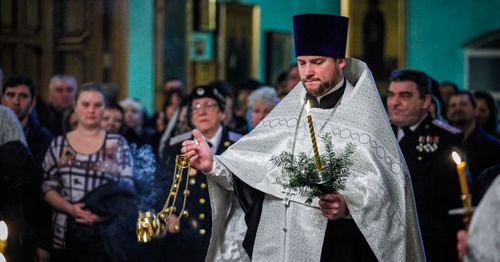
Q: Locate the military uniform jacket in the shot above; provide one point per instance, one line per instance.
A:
(191, 243)
(427, 152)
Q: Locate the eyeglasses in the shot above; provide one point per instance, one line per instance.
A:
(208, 107)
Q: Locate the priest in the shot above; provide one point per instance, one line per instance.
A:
(372, 218)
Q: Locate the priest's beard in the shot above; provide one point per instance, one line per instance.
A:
(324, 88)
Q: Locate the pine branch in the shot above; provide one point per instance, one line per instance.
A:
(302, 170)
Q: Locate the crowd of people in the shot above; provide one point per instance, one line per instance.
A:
(68, 174)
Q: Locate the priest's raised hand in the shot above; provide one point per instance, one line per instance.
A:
(199, 154)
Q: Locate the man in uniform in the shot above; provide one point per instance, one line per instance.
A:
(206, 113)
(373, 218)
(427, 145)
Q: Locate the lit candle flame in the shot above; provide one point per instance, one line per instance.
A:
(2, 258)
(456, 157)
(4, 231)
(308, 107)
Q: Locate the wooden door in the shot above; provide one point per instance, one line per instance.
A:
(24, 39)
(83, 38)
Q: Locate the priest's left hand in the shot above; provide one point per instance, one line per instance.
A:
(333, 206)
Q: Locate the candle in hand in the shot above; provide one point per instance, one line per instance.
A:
(462, 175)
(313, 138)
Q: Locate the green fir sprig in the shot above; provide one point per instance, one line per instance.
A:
(302, 171)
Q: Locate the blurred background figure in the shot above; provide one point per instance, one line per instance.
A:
(174, 83)
(83, 171)
(173, 89)
(135, 132)
(112, 119)
(172, 101)
(62, 89)
(486, 113)
(282, 82)
(1, 82)
(293, 76)
(438, 106)
(241, 109)
(446, 89)
(20, 96)
(261, 102)
(111, 93)
(70, 120)
(481, 149)
(228, 92)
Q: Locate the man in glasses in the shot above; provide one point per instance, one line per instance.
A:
(206, 113)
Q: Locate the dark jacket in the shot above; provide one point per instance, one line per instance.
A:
(112, 239)
(482, 151)
(427, 152)
(18, 197)
(49, 118)
(39, 139)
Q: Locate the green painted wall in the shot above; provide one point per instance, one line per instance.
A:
(438, 28)
(276, 15)
(141, 43)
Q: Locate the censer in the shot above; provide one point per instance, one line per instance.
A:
(151, 226)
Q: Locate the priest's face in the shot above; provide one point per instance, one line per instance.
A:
(320, 74)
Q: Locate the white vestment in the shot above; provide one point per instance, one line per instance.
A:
(378, 190)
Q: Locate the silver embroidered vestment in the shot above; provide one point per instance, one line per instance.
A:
(378, 190)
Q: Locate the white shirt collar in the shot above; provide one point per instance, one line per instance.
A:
(215, 140)
(412, 128)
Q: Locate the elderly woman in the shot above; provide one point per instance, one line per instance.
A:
(260, 103)
(78, 164)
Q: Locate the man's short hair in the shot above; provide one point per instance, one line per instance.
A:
(62, 77)
(468, 94)
(449, 83)
(21, 79)
(423, 81)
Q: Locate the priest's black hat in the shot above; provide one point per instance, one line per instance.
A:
(320, 35)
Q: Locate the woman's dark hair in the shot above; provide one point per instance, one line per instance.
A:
(491, 124)
(90, 86)
(169, 93)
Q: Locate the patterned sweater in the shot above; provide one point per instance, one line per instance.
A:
(73, 174)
